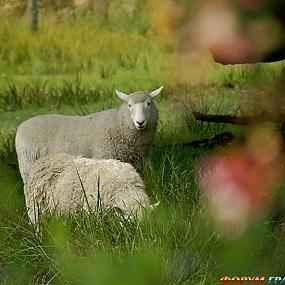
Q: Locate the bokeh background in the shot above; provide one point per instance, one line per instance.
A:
(222, 205)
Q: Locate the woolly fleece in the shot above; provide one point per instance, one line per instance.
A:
(61, 182)
(103, 135)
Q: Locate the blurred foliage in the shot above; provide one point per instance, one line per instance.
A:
(64, 47)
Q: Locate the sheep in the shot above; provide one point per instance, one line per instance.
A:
(66, 183)
(125, 134)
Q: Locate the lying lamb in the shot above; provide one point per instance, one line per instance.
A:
(124, 134)
(65, 183)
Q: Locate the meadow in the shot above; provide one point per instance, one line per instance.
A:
(73, 66)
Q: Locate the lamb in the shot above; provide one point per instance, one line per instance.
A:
(125, 134)
(66, 184)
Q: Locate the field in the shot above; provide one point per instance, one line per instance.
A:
(73, 66)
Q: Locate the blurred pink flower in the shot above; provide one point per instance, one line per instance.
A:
(220, 28)
(239, 185)
(239, 49)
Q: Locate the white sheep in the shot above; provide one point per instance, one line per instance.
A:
(124, 134)
(67, 184)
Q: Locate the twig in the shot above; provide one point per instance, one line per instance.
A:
(222, 139)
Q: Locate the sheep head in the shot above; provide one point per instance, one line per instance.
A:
(140, 105)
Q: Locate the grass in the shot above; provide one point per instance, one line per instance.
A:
(175, 245)
(73, 67)
(78, 246)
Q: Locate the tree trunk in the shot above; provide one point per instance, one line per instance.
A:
(33, 15)
(97, 4)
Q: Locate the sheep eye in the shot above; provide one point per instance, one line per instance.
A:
(130, 105)
(148, 103)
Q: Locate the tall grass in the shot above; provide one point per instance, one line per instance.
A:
(63, 47)
(14, 97)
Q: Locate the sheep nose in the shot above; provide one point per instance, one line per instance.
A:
(140, 123)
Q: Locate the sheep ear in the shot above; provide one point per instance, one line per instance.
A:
(156, 92)
(122, 96)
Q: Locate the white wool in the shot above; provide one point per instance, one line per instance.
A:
(53, 184)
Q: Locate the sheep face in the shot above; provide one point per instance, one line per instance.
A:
(140, 106)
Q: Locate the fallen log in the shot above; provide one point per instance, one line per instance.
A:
(263, 117)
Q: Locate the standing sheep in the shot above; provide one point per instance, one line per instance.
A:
(123, 134)
(66, 183)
